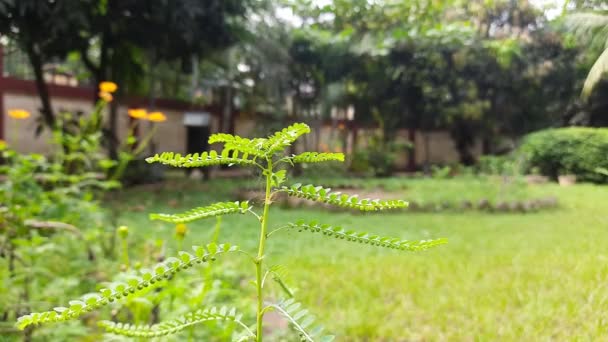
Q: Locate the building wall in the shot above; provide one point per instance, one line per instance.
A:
(171, 134)
(20, 134)
(441, 149)
(434, 147)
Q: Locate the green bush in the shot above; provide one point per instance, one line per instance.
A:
(575, 150)
(505, 165)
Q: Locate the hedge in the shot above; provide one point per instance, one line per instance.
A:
(574, 150)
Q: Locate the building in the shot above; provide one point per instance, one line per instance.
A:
(188, 126)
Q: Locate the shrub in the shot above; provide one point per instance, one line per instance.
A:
(378, 157)
(499, 165)
(575, 150)
(267, 155)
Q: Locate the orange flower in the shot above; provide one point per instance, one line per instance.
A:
(157, 117)
(105, 96)
(107, 87)
(18, 114)
(138, 113)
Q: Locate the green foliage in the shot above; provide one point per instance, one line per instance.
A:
(284, 138)
(227, 157)
(498, 165)
(441, 172)
(269, 152)
(50, 203)
(175, 325)
(302, 321)
(135, 284)
(592, 28)
(217, 209)
(243, 145)
(365, 238)
(324, 195)
(379, 155)
(316, 157)
(574, 150)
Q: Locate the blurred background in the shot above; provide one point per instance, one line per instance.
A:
(488, 116)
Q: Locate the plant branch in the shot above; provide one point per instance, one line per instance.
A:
(276, 230)
(255, 214)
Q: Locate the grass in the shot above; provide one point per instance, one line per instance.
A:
(510, 277)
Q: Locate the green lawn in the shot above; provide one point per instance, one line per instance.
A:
(509, 277)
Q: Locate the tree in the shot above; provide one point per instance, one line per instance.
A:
(133, 34)
(43, 30)
(120, 40)
(591, 27)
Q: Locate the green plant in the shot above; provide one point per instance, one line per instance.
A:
(378, 157)
(573, 150)
(51, 201)
(45, 203)
(267, 155)
(496, 165)
(441, 172)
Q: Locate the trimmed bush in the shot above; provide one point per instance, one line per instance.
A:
(575, 150)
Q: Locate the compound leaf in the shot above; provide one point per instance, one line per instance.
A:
(243, 145)
(216, 209)
(324, 195)
(284, 138)
(365, 238)
(316, 157)
(212, 158)
(301, 321)
(175, 325)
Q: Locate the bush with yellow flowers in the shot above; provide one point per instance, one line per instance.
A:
(50, 202)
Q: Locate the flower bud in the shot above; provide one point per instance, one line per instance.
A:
(181, 230)
(123, 231)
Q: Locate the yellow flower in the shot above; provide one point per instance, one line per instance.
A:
(107, 97)
(181, 229)
(157, 117)
(107, 87)
(138, 113)
(3, 144)
(18, 114)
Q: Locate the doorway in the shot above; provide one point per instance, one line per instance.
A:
(197, 137)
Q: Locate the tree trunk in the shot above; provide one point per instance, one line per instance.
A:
(462, 135)
(41, 86)
(411, 156)
(113, 129)
(227, 110)
(427, 152)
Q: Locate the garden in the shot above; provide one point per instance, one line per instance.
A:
(340, 170)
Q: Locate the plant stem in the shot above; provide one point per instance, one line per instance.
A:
(216, 231)
(125, 252)
(260, 257)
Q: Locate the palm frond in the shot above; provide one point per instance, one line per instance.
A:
(599, 68)
(586, 24)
